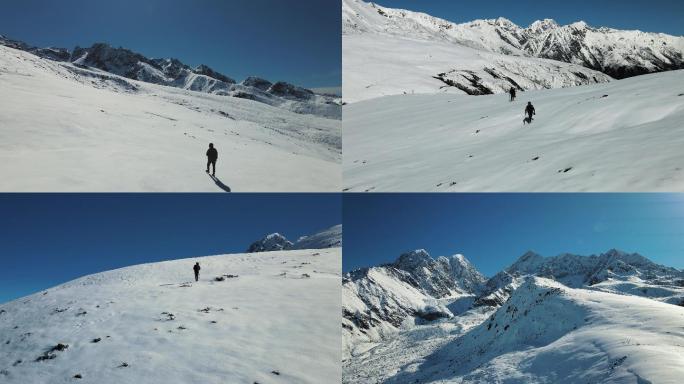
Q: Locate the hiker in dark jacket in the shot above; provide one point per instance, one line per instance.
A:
(196, 268)
(512, 93)
(529, 110)
(212, 155)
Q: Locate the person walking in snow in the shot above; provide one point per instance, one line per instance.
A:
(512, 93)
(212, 155)
(529, 110)
(196, 268)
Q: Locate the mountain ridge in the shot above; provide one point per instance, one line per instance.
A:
(174, 73)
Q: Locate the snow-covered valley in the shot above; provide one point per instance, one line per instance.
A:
(271, 317)
(66, 127)
(522, 326)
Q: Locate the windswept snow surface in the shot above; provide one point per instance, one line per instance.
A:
(545, 333)
(66, 128)
(274, 318)
(625, 135)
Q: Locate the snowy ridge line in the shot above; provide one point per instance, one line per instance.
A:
(173, 73)
(328, 238)
(617, 53)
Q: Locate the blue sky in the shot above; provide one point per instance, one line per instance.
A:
(296, 41)
(48, 239)
(666, 16)
(493, 230)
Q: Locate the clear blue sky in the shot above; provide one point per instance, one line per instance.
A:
(666, 16)
(48, 239)
(296, 41)
(493, 230)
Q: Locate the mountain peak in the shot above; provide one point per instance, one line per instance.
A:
(272, 242)
(579, 25)
(543, 25)
(412, 259)
(504, 22)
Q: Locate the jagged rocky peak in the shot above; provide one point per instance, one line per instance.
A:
(203, 69)
(284, 89)
(257, 82)
(464, 274)
(414, 259)
(541, 26)
(504, 22)
(273, 242)
(171, 67)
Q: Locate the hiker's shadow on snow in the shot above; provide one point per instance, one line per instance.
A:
(219, 183)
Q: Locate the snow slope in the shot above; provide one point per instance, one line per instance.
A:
(65, 128)
(546, 332)
(276, 320)
(625, 135)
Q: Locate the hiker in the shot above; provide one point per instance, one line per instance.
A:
(529, 110)
(212, 155)
(196, 268)
(512, 93)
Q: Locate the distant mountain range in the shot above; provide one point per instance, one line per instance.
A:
(174, 73)
(328, 238)
(490, 56)
(416, 287)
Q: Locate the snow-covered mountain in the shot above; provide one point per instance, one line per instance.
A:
(272, 242)
(502, 56)
(266, 318)
(327, 238)
(622, 136)
(613, 271)
(385, 54)
(378, 300)
(85, 129)
(569, 318)
(174, 73)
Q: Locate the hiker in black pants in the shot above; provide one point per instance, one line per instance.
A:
(512, 93)
(196, 268)
(212, 155)
(529, 110)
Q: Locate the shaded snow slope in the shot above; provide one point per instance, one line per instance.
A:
(269, 318)
(622, 136)
(547, 332)
(87, 130)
